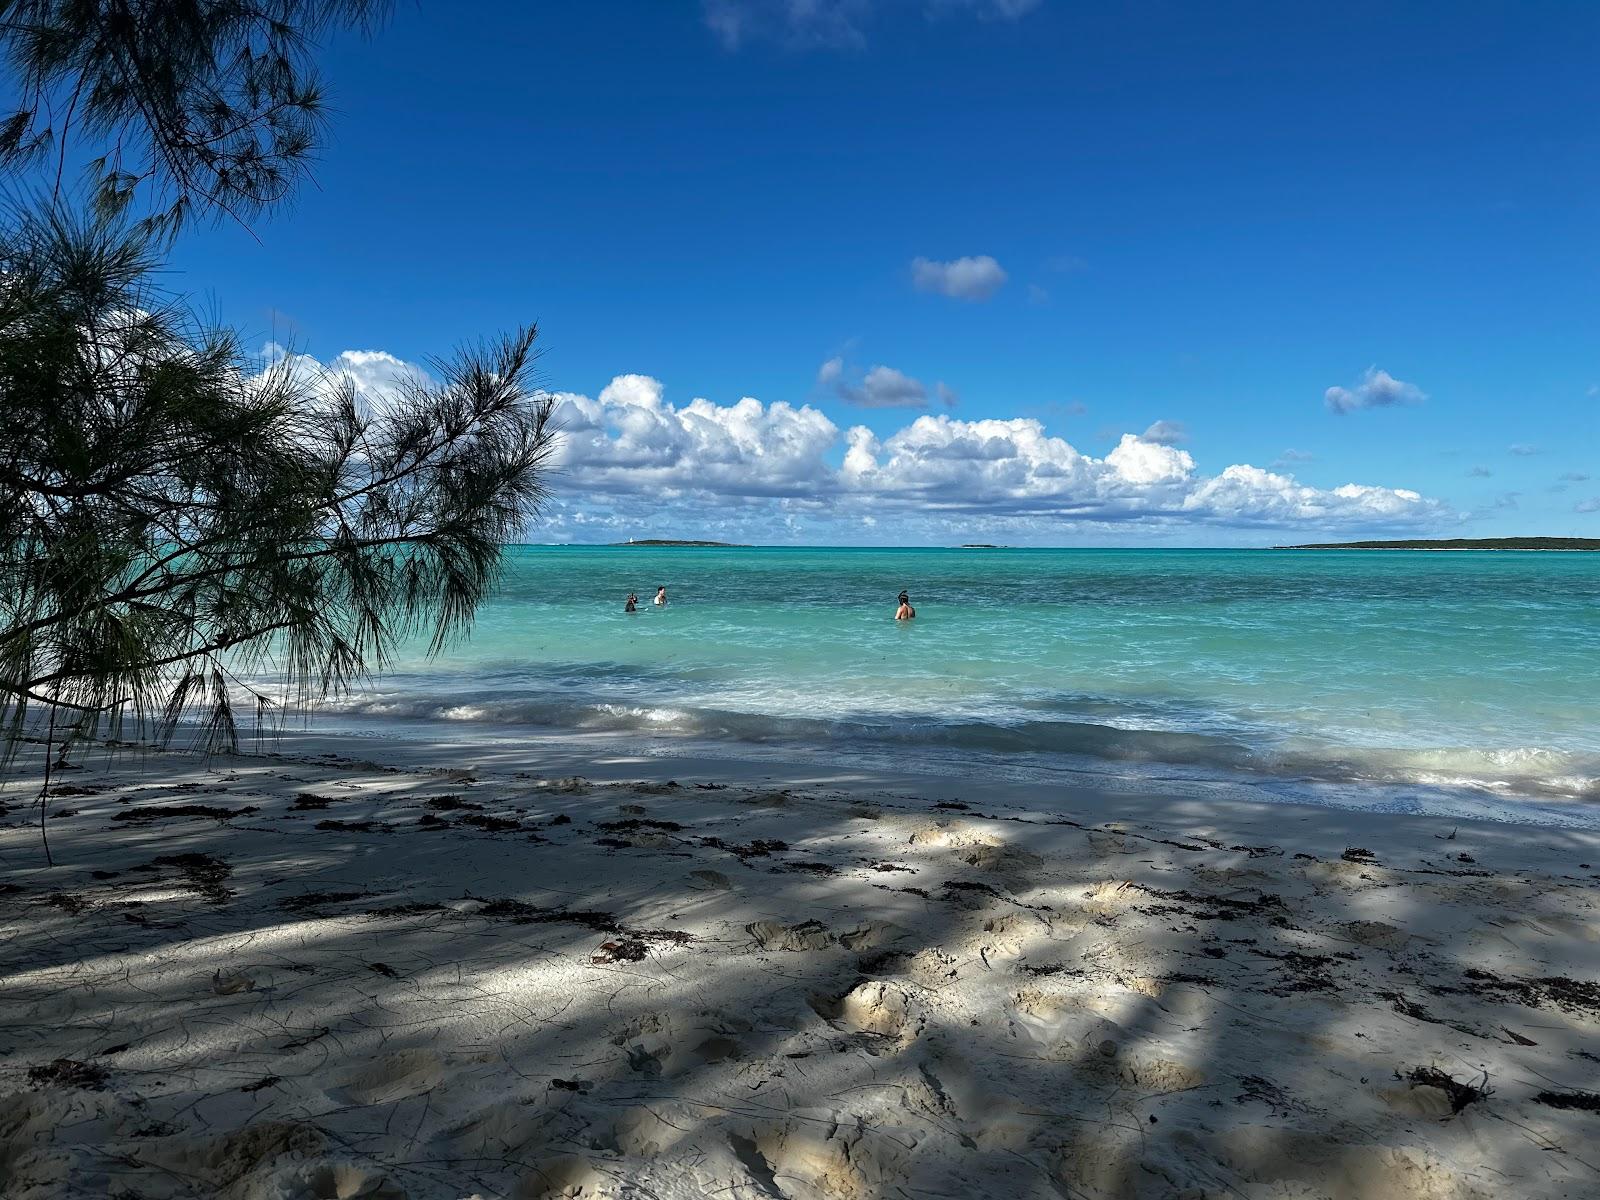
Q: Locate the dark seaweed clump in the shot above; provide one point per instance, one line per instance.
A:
(69, 1072)
(1582, 1101)
(1460, 1094)
(168, 812)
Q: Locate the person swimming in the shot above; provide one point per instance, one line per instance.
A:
(905, 612)
(661, 597)
(632, 604)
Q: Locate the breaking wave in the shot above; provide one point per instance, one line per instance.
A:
(1257, 754)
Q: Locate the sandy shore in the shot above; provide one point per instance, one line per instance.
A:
(357, 969)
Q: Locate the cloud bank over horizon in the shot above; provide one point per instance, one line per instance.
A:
(631, 463)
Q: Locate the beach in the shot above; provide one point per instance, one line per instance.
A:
(958, 600)
(1458, 684)
(365, 966)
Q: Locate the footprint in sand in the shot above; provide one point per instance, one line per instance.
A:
(808, 935)
(566, 1177)
(978, 848)
(880, 1007)
(1007, 935)
(243, 1155)
(336, 1181)
(1286, 1156)
(874, 935)
(652, 1130)
(1111, 841)
(393, 1077)
(824, 1158)
(950, 835)
(657, 1043)
(1378, 934)
(951, 1086)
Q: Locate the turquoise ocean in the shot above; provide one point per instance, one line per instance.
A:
(1463, 683)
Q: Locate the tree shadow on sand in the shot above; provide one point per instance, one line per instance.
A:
(444, 983)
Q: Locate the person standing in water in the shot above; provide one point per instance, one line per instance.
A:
(632, 605)
(905, 612)
(661, 597)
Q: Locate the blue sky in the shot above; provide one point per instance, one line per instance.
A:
(1184, 223)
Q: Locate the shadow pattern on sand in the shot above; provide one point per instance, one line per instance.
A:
(285, 979)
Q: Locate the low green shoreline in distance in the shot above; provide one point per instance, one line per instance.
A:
(675, 542)
(1525, 543)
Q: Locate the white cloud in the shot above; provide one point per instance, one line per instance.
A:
(1148, 464)
(974, 277)
(722, 459)
(880, 387)
(1576, 477)
(1377, 389)
(632, 463)
(630, 440)
(1291, 456)
(1246, 495)
(801, 24)
(885, 387)
(379, 378)
(1167, 433)
(1479, 473)
(1592, 504)
(831, 24)
(1522, 449)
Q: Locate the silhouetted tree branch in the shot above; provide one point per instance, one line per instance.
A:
(175, 519)
(210, 106)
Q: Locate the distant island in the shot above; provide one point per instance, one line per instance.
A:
(1524, 543)
(678, 542)
(978, 546)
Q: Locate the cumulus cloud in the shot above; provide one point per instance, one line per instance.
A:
(724, 457)
(631, 461)
(1522, 449)
(1377, 389)
(1167, 433)
(885, 387)
(880, 386)
(974, 277)
(377, 376)
(629, 439)
(1248, 495)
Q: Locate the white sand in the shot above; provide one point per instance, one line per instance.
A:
(1026, 998)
